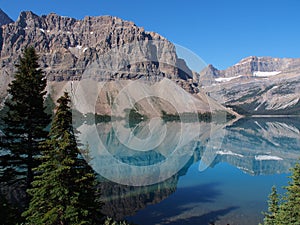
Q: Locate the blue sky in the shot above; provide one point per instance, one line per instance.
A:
(221, 32)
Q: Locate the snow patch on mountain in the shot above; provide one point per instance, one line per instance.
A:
(79, 47)
(226, 79)
(265, 74)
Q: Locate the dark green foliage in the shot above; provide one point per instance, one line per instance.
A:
(64, 191)
(230, 116)
(25, 121)
(110, 221)
(286, 211)
(170, 117)
(134, 117)
(273, 208)
(246, 109)
(207, 116)
(102, 118)
(194, 117)
(9, 214)
(290, 208)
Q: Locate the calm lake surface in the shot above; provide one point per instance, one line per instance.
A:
(191, 173)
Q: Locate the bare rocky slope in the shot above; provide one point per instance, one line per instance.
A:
(256, 85)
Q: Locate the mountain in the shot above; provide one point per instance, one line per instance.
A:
(67, 46)
(4, 18)
(256, 85)
(109, 49)
(103, 48)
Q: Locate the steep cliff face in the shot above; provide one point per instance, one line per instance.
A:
(256, 85)
(4, 78)
(118, 49)
(67, 46)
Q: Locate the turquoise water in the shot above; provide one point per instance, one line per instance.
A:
(223, 195)
(192, 173)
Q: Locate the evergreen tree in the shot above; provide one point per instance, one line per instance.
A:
(285, 211)
(110, 221)
(25, 121)
(290, 208)
(273, 208)
(64, 191)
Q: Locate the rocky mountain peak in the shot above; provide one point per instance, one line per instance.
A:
(67, 47)
(211, 68)
(248, 59)
(4, 18)
(27, 15)
(252, 64)
(28, 19)
(208, 74)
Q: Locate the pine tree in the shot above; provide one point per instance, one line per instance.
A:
(273, 208)
(25, 121)
(286, 210)
(64, 191)
(290, 208)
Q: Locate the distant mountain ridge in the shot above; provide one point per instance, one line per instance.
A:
(256, 85)
(251, 65)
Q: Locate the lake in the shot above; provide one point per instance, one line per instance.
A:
(157, 172)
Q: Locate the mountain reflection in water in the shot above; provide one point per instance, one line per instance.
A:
(256, 146)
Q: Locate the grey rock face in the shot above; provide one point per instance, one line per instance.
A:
(256, 85)
(249, 65)
(67, 46)
(208, 74)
